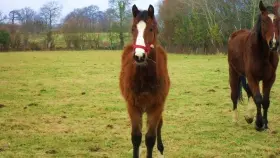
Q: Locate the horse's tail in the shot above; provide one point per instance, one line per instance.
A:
(243, 83)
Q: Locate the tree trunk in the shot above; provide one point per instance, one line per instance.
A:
(122, 12)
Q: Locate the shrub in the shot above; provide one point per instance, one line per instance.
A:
(4, 40)
(34, 46)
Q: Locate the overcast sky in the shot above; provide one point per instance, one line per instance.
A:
(68, 5)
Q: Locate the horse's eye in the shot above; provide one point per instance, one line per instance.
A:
(151, 29)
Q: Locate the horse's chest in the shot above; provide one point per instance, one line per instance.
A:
(262, 70)
(145, 91)
(146, 84)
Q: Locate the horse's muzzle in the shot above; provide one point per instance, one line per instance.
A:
(140, 58)
(274, 46)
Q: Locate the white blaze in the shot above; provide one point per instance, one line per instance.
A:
(272, 17)
(140, 39)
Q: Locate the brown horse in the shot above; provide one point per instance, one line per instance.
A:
(253, 55)
(144, 80)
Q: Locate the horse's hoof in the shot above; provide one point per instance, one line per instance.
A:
(265, 127)
(259, 127)
(248, 119)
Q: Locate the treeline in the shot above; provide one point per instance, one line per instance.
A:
(194, 26)
(83, 28)
(203, 26)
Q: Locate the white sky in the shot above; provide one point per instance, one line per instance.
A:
(68, 5)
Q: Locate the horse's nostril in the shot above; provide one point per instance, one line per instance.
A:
(144, 56)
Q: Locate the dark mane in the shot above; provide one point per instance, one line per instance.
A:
(143, 15)
(258, 25)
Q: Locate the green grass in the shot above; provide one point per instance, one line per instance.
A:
(68, 104)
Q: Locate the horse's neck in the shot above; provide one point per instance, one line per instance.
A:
(259, 45)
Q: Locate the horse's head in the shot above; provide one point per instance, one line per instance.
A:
(144, 30)
(270, 25)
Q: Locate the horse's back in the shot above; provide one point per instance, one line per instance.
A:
(237, 41)
(237, 44)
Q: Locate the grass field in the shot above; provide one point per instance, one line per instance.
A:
(68, 104)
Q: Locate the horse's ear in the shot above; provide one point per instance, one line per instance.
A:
(151, 11)
(135, 10)
(262, 7)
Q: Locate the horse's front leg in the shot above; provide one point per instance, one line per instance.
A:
(254, 86)
(267, 85)
(154, 117)
(136, 125)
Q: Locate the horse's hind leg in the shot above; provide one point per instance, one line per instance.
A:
(136, 134)
(154, 118)
(159, 140)
(234, 86)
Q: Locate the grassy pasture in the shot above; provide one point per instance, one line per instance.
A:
(68, 104)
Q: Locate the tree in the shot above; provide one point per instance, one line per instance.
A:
(50, 13)
(14, 15)
(2, 17)
(79, 25)
(4, 40)
(26, 15)
(27, 21)
(122, 8)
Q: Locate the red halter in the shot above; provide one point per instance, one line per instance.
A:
(146, 48)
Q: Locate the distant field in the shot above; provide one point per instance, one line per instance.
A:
(59, 39)
(68, 104)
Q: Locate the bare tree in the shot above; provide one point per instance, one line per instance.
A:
(2, 17)
(26, 15)
(27, 20)
(14, 15)
(50, 13)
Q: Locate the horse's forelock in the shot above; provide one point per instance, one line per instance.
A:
(143, 15)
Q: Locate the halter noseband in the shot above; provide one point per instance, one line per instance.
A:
(146, 48)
